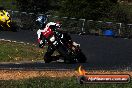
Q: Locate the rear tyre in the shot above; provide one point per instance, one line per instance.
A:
(81, 58)
(70, 59)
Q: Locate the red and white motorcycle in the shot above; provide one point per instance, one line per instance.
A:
(68, 50)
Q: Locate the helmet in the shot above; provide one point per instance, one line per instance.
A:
(42, 21)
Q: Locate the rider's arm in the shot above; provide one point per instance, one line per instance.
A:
(40, 39)
(39, 35)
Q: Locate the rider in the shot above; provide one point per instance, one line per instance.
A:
(46, 29)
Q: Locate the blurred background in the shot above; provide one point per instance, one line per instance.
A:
(98, 17)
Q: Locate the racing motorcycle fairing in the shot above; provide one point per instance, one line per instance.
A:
(63, 43)
(6, 22)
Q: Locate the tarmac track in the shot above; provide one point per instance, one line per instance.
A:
(101, 52)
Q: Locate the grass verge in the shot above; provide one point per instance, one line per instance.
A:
(14, 52)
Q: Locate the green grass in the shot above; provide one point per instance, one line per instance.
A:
(42, 82)
(8, 4)
(13, 52)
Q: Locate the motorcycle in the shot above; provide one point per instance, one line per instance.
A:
(68, 50)
(6, 24)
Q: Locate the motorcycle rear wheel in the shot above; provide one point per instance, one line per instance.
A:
(70, 59)
(81, 58)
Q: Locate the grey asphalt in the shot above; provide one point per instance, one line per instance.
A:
(101, 52)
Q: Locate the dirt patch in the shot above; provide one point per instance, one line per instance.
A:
(17, 75)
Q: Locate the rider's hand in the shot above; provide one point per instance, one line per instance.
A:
(41, 45)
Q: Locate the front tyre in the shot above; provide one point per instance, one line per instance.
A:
(82, 79)
(47, 58)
